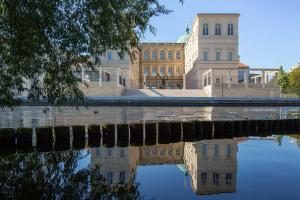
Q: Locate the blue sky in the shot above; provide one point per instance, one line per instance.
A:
(269, 29)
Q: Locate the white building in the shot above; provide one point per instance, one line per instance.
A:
(113, 74)
(212, 60)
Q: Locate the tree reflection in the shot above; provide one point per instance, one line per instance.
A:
(56, 175)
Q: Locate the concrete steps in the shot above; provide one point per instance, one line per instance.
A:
(164, 93)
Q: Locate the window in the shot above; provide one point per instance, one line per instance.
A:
(122, 177)
(109, 55)
(146, 71)
(121, 55)
(218, 56)
(162, 55)
(228, 151)
(106, 77)
(218, 29)
(122, 153)
(109, 177)
(162, 71)
(216, 150)
(170, 71)
(241, 76)
(203, 178)
(124, 82)
(218, 80)
(228, 178)
(216, 178)
(170, 152)
(120, 80)
(230, 56)
(205, 29)
(154, 56)
(145, 55)
(205, 56)
(170, 55)
(230, 29)
(177, 55)
(154, 71)
(177, 71)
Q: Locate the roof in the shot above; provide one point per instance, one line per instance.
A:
(219, 14)
(242, 65)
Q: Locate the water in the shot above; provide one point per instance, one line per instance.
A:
(238, 168)
(233, 167)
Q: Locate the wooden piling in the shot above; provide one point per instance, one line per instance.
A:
(44, 139)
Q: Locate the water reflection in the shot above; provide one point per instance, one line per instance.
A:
(211, 164)
(209, 167)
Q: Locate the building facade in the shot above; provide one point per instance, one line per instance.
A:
(211, 164)
(115, 72)
(161, 65)
(212, 44)
(204, 61)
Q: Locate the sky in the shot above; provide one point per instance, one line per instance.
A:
(269, 30)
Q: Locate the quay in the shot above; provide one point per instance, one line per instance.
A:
(177, 101)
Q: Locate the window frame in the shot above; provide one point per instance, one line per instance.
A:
(218, 29)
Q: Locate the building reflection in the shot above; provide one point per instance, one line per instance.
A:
(211, 164)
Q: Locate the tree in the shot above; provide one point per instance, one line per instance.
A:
(41, 40)
(56, 175)
(294, 80)
(282, 80)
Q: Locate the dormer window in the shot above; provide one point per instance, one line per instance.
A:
(218, 29)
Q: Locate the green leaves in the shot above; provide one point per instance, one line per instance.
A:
(42, 41)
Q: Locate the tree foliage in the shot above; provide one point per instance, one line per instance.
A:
(41, 40)
(56, 175)
(282, 79)
(294, 80)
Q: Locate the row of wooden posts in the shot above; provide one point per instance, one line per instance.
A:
(62, 138)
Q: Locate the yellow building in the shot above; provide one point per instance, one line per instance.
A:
(161, 65)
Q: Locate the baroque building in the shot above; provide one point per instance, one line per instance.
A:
(161, 65)
(203, 62)
(211, 164)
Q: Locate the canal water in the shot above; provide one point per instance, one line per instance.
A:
(263, 163)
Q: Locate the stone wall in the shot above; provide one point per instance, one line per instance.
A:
(239, 90)
(102, 91)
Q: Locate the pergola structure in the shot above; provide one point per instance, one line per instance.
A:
(231, 76)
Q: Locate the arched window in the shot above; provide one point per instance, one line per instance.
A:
(230, 29)
(170, 86)
(205, 29)
(170, 71)
(218, 29)
(146, 71)
(154, 71)
(162, 71)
